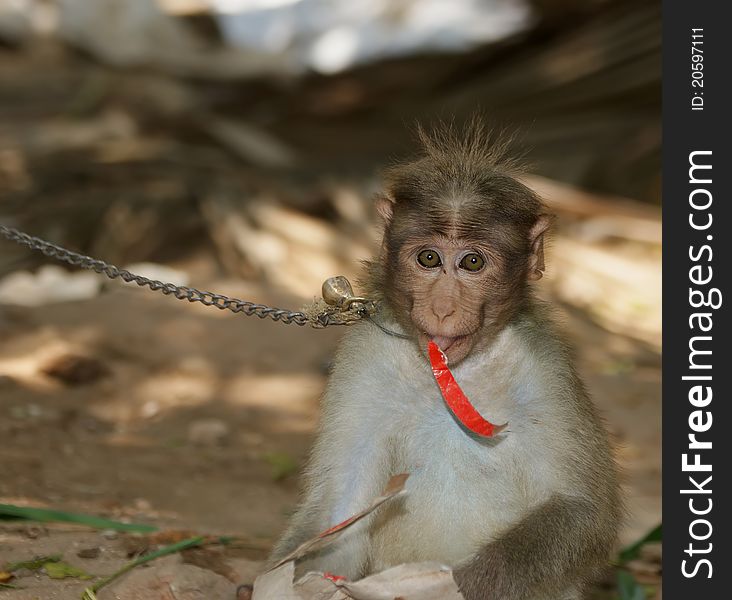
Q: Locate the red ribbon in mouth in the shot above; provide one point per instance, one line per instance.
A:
(456, 399)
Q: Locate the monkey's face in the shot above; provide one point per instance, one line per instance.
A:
(461, 239)
(451, 290)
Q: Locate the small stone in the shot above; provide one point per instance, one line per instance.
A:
(142, 504)
(35, 531)
(208, 432)
(92, 552)
(150, 409)
(72, 369)
(167, 577)
(110, 534)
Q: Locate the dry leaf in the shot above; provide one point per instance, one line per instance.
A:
(394, 487)
(417, 581)
(135, 545)
(170, 536)
(414, 581)
(276, 583)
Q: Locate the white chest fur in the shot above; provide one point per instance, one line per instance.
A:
(454, 474)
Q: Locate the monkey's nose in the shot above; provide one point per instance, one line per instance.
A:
(443, 311)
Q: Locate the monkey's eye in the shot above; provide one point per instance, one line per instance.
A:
(429, 259)
(472, 262)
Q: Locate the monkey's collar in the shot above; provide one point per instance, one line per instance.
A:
(346, 308)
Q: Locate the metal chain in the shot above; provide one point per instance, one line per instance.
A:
(181, 292)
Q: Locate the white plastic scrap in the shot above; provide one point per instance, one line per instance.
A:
(333, 35)
(49, 284)
(415, 581)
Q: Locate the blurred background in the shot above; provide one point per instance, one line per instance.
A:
(235, 145)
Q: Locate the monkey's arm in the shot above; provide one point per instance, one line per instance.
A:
(547, 552)
(349, 466)
(305, 524)
(338, 486)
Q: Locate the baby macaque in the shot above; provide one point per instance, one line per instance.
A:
(529, 513)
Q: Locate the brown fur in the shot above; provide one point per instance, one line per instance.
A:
(459, 196)
(462, 191)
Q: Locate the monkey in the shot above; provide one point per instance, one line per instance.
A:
(529, 514)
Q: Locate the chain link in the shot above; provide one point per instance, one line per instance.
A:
(182, 292)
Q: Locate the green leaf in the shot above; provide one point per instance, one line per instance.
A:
(632, 551)
(62, 570)
(628, 587)
(34, 564)
(282, 464)
(47, 515)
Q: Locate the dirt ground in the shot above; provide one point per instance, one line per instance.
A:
(192, 419)
(139, 408)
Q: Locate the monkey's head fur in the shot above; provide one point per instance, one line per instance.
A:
(462, 239)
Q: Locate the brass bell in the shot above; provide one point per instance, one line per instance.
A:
(337, 291)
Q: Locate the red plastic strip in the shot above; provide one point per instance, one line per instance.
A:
(456, 399)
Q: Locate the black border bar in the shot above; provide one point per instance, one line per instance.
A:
(697, 126)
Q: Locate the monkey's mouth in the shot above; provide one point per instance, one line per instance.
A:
(444, 342)
(455, 348)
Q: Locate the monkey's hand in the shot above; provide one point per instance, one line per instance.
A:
(547, 554)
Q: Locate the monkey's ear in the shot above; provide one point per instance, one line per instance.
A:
(385, 207)
(536, 236)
